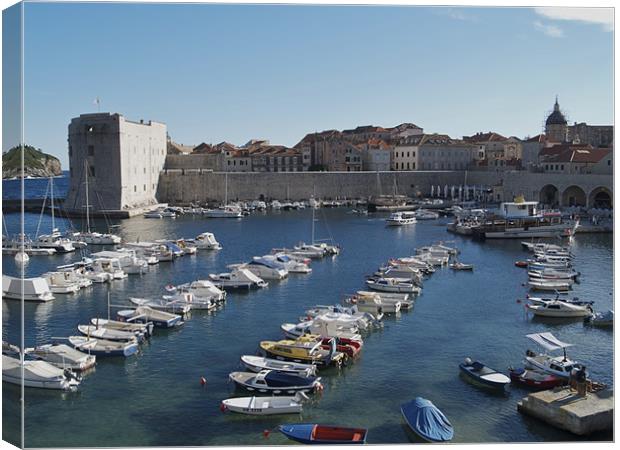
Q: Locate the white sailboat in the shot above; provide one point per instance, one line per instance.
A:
(55, 239)
(226, 211)
(89, 236)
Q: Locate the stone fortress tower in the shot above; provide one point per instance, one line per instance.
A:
(122, 158)
(556, 126)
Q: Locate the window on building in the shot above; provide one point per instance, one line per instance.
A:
(144, 170)
(91, 150)
(135, 188)
(407, 166)
(91, 170)
(562, 167)
(144, 189)
(413, 166)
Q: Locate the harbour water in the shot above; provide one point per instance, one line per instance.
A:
(156, 399)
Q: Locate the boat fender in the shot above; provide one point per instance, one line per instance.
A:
(318, 388)
(223, 407)
(203, 382)
(266, 433)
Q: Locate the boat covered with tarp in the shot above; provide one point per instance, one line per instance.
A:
(427, 421)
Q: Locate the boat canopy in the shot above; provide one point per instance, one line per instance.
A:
(548, 341)
(260, 261)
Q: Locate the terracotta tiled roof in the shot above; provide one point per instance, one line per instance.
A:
(570, 153)
(485, 137)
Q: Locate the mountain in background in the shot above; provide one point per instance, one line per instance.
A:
(36, 163)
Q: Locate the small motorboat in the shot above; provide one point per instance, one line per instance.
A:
(601, 319)
(37, 374)
(275, 382)
(535, 379)
(164, 304)
(264, 406)
(427, 421)
(400, 285)
(237, 279)
(103, 347)
(522, 264)
(560, 366)
(483, 375)
(259, 363)
(106, 333)
(143, 329)
(457, 265)
(312, 433)
(549, 285)
(560, 309)
(145, 314)
(62, 356)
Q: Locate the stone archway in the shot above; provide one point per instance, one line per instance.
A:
(549, 195)
(574, 196)
(600, 197)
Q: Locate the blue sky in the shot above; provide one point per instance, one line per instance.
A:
(236, 72)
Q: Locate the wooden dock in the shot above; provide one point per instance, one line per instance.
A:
(567, 410)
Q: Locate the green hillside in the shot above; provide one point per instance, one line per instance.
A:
(36, 163)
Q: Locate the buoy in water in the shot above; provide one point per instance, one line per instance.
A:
(266, 433)
(203, 381)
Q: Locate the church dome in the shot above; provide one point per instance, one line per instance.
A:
(556, 117)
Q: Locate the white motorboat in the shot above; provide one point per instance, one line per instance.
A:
(403, 271)
(201, 289)
(434, 259)
(95, 238)
(275, 382)
(412, 262)
(325, 326)
(401, 218)
(264, 406)
(549, 285)
(557, 308)
(129, 262)
(206, 241)
(61, 282)
(63, 356)
(556, 365)
(372, 303)
(107, 265)
(457, 265)
(37, 374)
(260, 363)
(291, 265)
(264, 268)
(84, 274)
(224, 212)
(162, 304)
(351, 315)
(191, 301)
(544, 247)
(425, 214)
(97, 332)
(386, 298)
(237, 279)
(34, 289)
(393, 285)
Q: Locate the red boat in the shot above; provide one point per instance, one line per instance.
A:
(535, 379)
(521, 263)
(349, 347)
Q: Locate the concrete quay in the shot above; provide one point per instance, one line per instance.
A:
(565, 409)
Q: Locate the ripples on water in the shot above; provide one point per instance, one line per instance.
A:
(155, 398)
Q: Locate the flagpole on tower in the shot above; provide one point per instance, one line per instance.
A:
(98, 103)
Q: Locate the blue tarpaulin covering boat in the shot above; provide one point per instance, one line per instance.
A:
(312, 433)
(427, 421)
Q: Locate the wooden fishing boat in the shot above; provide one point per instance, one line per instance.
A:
(535, 379)
(312, 433)
(275, 382)
(483, 375)
(102, 347)
(427, 421)
(264, 406)
(106, 333)
(301, 350)
(259, 363)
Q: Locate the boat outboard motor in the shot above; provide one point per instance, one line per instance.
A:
(468, 361)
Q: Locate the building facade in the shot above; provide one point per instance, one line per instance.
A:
(434, 152)
(594, 135)
(122, 159)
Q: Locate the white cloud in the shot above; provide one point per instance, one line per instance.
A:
(457, 14)
(549, 30)
(600, 16)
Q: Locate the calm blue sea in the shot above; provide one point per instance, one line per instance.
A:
(35, 187)
(155, 398)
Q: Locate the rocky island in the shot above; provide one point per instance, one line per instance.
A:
(36, 163)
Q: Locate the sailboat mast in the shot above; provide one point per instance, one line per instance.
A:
(52, 203)
(87, 202)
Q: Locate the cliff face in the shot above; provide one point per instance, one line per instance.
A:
(36, 163)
